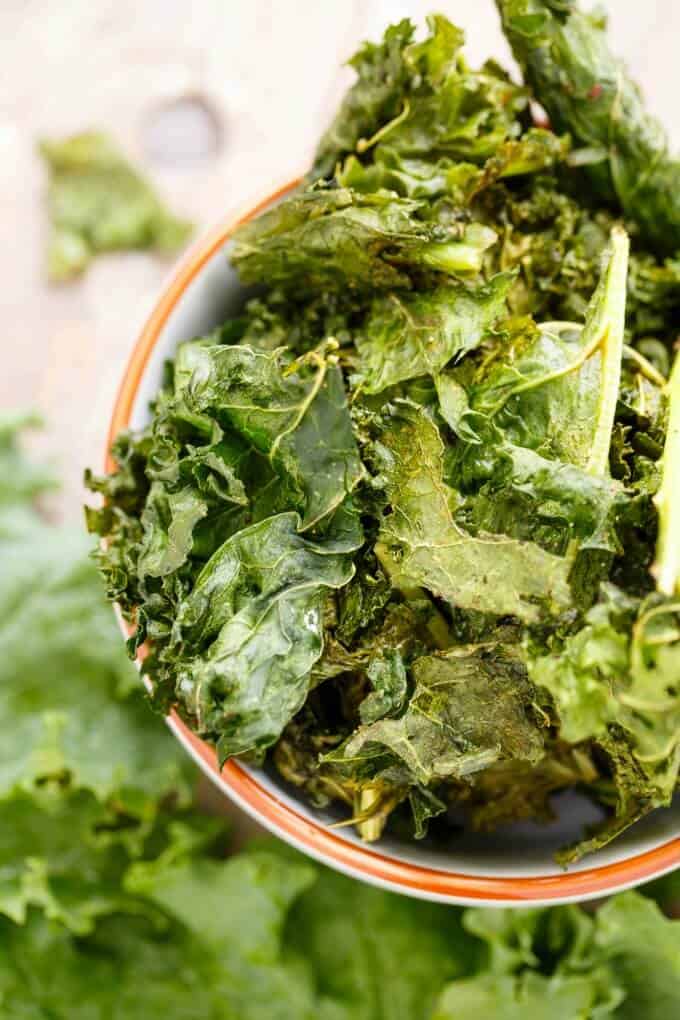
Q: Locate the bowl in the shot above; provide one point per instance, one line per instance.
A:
(513, 866)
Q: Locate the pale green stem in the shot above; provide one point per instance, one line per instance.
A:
(609, 323)
(666, 569)
(366, 143)
(463, 256)
(603, 331)
(645, 366)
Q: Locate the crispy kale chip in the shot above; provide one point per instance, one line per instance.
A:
(331, 236)
(587, 91)
(98, 202)
(420, 543)
(405, 526)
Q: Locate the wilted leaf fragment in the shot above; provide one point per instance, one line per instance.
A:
(405, 337)
(421, 543)
(250, 632)
(98, 202)
(335, 237)
(469, 709)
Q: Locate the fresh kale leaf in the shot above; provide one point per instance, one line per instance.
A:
(118, 901)
(54, 682)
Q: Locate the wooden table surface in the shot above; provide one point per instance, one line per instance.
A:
(271, 72)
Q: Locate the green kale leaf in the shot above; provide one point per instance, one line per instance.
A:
(587, 91)
(420, 543)
(295, 415)
(445, 420)
(332, 237)
(470, 708)
(98, 202)
(408, 336)
(54, 682)
(246, 637)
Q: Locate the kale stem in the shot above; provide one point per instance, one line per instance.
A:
(367, 143)
(371, 826)
(644, 366)
(606, 320)
(666, 568)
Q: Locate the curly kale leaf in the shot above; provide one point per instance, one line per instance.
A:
(613, 682)
(554, 388)
(375, 99)
(335, 237)
(535, 422)
(424, 99)
(295, 415)
(587, 91)
(443, 177)
(470, 708)
(75, 714)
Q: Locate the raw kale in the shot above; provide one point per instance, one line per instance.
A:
(406, 525)
(98, 202)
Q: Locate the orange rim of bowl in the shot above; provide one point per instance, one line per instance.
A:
(316, 837)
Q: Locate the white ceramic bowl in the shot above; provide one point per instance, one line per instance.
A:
(510, 867)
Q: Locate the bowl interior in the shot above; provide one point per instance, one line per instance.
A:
(520, 850)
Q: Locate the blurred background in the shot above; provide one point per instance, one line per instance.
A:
(217, 101)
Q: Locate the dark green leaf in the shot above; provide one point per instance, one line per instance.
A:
(588, 92)
(250, 632)
(405, 336)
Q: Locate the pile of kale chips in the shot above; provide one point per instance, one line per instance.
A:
(409, 526)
